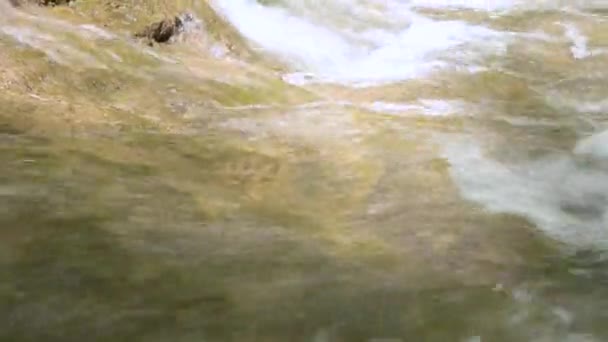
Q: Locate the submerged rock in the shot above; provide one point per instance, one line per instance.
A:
(164, 30)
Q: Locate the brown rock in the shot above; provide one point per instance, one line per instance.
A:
(162, 31)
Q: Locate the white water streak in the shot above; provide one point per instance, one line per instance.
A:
(324, 52)
(566, 196)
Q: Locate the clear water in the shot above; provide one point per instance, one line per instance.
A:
(377, 171)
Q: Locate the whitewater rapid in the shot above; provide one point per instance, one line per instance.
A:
(369, 42)
(372, 43)
(334, 41)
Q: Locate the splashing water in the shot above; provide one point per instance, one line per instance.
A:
(339, 45)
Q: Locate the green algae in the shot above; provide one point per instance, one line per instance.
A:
(124, 220)
(75, 243)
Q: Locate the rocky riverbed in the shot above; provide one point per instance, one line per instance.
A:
(295, 171)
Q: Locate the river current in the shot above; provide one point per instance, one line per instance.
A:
(380, 171)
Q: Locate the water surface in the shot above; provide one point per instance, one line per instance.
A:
(305, 171)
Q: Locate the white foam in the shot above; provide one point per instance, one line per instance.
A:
(580, 48)
(597, 107)
(429, 107)
(579, 42)
(565, 197)
(595, 146)
(390, 107)
(322, 52)
(284, 34)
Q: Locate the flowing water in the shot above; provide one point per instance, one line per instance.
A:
(305, 170)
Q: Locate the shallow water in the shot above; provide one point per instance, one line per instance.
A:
(305, 171)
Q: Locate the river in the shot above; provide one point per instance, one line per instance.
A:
(305, 170)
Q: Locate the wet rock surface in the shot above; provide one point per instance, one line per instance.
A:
(165, 30)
